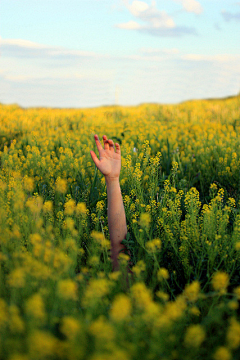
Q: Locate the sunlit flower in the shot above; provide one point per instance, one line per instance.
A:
(220, 281)
(121, 307)
(162, 274)
(61, 185)
(67, 289)
(222, 353)
(70, 327)
(194, 336)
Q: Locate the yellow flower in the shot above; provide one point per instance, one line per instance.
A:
(237, 246)
(67, 289)
(17, 278)
(81, 209)
(102, 329)
(61, 185)
(154, 245)
(114, 275)
(116, 354)
(96, 289)
(48, 206)
(139, 267)
(70, 327)
(175, 309)
(3, 313)
(222, 353)
(194, 336)
(121, 307)
(145, 219)
(35, 204)
(100, 239)
(194, 310)
(28, 183)
(237, 292)
(213, 187)
(93, 260)
(141, 295)
(162, 295)
(16, 324)
(220, 281)
(35, 307)
(123, 258)
(41, 344)
(162, 274)
(233, 305)
(69, 207)
(191, 291)
(233, 334)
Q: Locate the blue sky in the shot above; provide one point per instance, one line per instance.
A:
(85, 53)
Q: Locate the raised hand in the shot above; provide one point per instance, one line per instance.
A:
(109, 162)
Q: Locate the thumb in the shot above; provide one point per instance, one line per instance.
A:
(95, 159)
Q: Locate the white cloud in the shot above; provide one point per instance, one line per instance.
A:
(138, 7)
(192, 6)
(152, 51)
(154, 21)
(29, 49)
(218, 57)
(130, 25)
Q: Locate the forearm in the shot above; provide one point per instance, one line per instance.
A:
(116, 219)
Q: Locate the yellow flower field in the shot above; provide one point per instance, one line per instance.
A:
(180, 182)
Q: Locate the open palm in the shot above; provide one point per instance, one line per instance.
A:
(109, 162)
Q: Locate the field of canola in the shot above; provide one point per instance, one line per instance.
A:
(180, 182)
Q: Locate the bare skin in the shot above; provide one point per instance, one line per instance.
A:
(109, 163)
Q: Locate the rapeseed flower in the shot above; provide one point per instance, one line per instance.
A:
(41, 344)
(162, 295)
(115, 275)
(48, 206)
(28, 183)
(81, 209)
(67, 289)
(100, 239)
(237, 292)
(35, 307)
(16, 323)
(16, 278)
(96, 290)
(154, 245)
(194, 336)
(191, 291)
(3, 313)
(61, 185)
(141, 295)
(162, 274)
(69, 207)
(222, 353)
(145, 219)
(121, 308)
(194, 310)
(70, 327)
(233, 334)
(102, 329)
(220, 281)
(139, 267)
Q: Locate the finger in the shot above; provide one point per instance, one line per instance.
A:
(99, 145)
(95, 158)
(105, 140)
(111, 145)
(118, 150)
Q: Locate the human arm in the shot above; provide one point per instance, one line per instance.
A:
(109, 163)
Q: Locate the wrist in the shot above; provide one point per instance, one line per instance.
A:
(111, 180)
